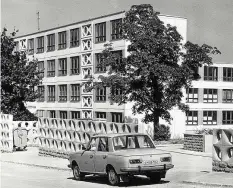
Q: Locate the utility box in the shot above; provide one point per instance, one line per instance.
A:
(20, 138)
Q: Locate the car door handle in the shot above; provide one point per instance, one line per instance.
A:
(91, 156)
(105, 156)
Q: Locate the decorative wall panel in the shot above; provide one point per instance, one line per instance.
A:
(6, 133)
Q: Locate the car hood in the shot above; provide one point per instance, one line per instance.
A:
(138, 152)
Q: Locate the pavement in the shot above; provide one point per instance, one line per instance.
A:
(191, 168)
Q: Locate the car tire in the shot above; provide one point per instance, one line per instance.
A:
(77, 174)
(113, 177)
(155, 177)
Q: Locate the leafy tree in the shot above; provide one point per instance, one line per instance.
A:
(158, 65)
(18, 79)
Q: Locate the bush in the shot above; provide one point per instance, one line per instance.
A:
(205, 131)
(163, 133)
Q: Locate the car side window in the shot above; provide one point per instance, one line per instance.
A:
(103, 144)
(92, 145)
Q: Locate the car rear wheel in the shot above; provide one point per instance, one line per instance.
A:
(77, 174)
(155, 177)
(113, 177)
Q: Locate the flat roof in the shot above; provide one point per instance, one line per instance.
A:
(95, 18)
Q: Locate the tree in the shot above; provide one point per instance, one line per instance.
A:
(157, 68)
(18, 79)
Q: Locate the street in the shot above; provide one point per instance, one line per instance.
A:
(16, 175)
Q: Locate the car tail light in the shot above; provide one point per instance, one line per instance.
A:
(135, 161)
(165, 159)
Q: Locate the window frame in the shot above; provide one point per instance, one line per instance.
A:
(74, 37)
(75, 114)
(100, 67)
(211, 117)
(194, 117)
(101, 94)
(210, 95)
(62, 70)
(100, 32)
(101, 115)
(117, 117)
(52, 113)
(75, 70)
(192, 95)
(51, 68)
(116, 32)
(210, 73)
(62, 40)
(40, 44)
(41, 92)
(75, 94)
(50, 42)
(31, 46)
(41, 68)
(62, 93)
(226, 77)
(51, 93)
(40, 113)
(226, 95)
(63, 113)
(227, 117)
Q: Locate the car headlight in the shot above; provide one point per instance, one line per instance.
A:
(135, 161)
(165, 159)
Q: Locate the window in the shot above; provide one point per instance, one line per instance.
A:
(51, 68)
(75, 64)
(117, 55)
(227, 117)
(40, 44)
(41, 93)
(210, 118)
(192, 95)
(63, 93)
(31, 46)
(62, 40)
(228, 74)
(41, 68)
(63, 114)
(210, 95)
(75, 93)
(51, 42)
(74, 37)
(52, 114)
(211, 73)
(62, 67)
(117, 117)
(103, 144)
(75, 115)
(227, 96)
(100, 32)
(101, 94)
(192, 118)
(100, 67)
(101, 115)
(51, 93)
(116, 31)
(40, 113)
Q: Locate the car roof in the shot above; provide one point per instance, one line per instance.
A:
(110, 135)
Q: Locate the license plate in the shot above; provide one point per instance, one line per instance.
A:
(152, 162)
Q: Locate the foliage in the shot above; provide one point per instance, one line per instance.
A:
(157, 67)
(205, 131)
(163, 133)
(18, 79)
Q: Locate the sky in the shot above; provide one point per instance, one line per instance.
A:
(209, 21)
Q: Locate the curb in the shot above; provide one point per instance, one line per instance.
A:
(205, 184)
(39, 166)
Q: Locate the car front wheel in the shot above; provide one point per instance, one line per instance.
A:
(113, 177)
(77, 174)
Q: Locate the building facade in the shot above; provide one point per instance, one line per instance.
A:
(68, 55)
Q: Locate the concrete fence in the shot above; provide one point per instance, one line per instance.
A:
(223, 150)
(6, 132)
(59, 137)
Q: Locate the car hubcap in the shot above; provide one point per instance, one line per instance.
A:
(112, 176)
(76, 172)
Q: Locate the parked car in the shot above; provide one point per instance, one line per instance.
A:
(120, 156)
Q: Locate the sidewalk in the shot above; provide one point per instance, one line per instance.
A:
(186, 169)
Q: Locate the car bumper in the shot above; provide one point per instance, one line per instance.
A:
(141, 169)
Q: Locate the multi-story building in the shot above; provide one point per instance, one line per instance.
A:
(68, 55)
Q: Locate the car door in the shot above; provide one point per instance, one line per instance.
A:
(87, 157)
(101, 155)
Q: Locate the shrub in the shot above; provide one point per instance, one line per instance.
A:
(205, 131)
(163, 133)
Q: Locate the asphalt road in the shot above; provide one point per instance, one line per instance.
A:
(22, 176)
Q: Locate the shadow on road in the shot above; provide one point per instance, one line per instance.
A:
(135, 181)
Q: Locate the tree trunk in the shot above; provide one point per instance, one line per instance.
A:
(156, 124)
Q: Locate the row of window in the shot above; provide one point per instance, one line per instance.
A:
(209, 117)
(100, 93)
(210, 95)
(74, 65)
(211, 73)
(100, 36)
(115, 116)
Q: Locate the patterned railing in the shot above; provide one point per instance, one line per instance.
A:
(60, 137)
(223, 150)
(6, 135)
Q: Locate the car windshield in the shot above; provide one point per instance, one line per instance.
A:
(132, 142)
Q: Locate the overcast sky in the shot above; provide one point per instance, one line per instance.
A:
(209, 21)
